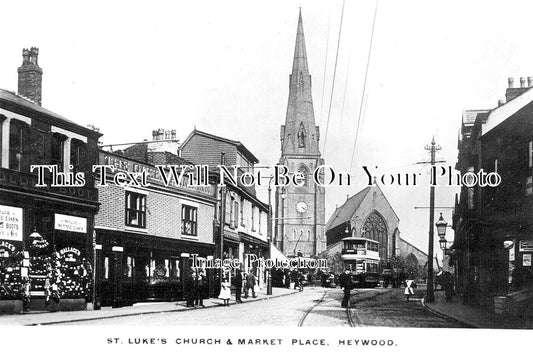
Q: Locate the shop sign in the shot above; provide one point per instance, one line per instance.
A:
(526, 260)
(529, 186)
(525, 245)
(6, 249)
(70, 254)
(10, 223)
(70, 223)
(511, 253)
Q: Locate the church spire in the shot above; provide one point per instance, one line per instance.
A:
(299, 135)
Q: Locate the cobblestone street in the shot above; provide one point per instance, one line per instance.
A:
(312, 307)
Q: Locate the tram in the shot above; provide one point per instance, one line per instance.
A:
(361, 256)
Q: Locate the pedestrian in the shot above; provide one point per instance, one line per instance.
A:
(447, 284)
(345, 282)
(225, 291)
(201, 283)
(26, 295)
(190, 281)
(287, 278)
(410, 286)
(250, 284)
(301, 278)
(238, 286)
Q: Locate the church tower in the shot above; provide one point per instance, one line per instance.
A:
(300, 211)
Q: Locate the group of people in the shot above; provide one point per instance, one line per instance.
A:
(197, 289)
(248, 280)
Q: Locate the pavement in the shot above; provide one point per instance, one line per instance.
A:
(50, 318)
(473, 317)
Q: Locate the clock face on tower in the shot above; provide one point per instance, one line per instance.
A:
(301, 207)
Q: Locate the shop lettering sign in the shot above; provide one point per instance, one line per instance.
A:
(525, 245)
(70, 223)
(511, 253)
(70, 254)
(10, 223)
(124, 165)
(6, 249)
(526, 260)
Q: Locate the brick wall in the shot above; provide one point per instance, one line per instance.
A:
(163, 214)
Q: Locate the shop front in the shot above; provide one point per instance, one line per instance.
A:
(45, 251)
(134, 267)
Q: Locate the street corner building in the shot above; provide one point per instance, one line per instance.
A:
(493, 228)
(300, 210)
(46, 233)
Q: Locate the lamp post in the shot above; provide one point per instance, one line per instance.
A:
(269, 237)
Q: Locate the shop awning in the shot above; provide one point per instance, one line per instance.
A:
(275, 253)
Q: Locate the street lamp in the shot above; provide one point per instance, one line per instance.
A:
(441, 231)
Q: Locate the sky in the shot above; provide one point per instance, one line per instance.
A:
(129, 67)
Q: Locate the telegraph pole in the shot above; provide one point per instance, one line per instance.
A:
(433, 148)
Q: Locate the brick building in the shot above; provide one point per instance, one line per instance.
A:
(246, 217)
(51, 227)
(146, 236)
(493, 227)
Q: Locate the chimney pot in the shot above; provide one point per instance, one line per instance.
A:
(511, 82)
(501, 102)
(522, 82)
(529, 81)
(30, 76)
(173, 134)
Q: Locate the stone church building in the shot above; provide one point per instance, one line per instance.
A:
(368, 214)
(300, 213)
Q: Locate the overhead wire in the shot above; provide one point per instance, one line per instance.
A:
(334, 75)
(364, 86)
(325, 67)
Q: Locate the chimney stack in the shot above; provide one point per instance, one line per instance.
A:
(522, 82)
(501, 102)
(529, 81)
(173, 134)
(30, 77)
(511, 82)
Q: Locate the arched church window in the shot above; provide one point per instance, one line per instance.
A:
(375, 228)
(301, 136)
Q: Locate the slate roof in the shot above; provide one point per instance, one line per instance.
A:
(347, 210)
(21, 102)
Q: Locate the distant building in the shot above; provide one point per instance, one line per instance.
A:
(405, 249)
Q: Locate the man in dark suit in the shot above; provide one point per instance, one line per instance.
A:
(250, 284)
(238, 286)
(345, 281)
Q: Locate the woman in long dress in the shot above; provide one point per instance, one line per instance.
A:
(225, 291)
